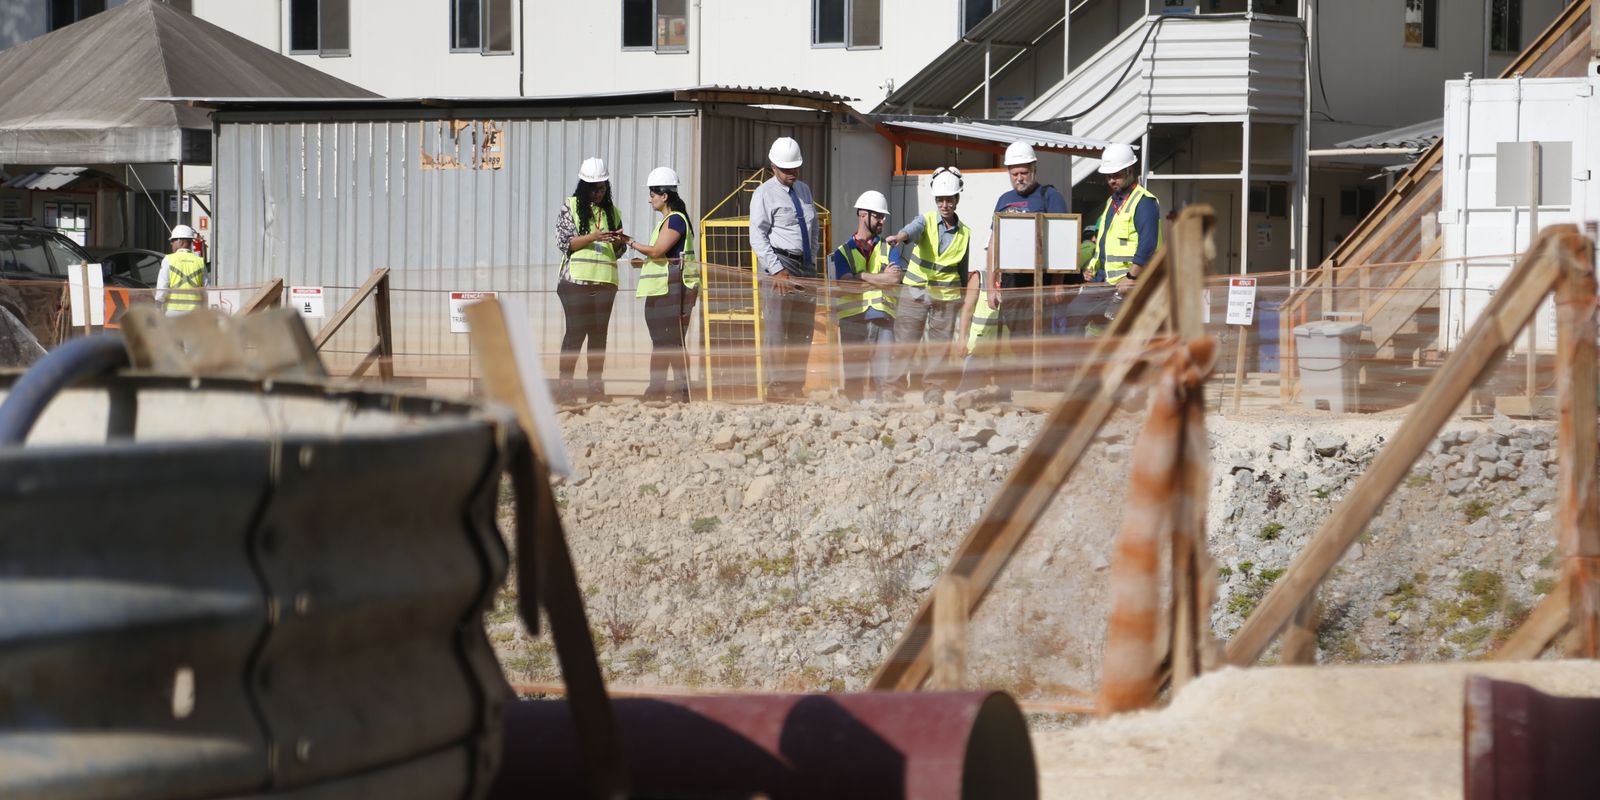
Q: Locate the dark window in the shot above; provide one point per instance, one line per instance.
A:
(637, 25)
(1258, 201)
(1505, 26)
(1277, 200)
(28, 248)
(66, 12)
(497, 26)
(660, 25)
(827, 21)
(186, 6)
(1357, 201)
(466, 25)
(852, 23)
(974, 12)
(319, 26)
(1422, 23)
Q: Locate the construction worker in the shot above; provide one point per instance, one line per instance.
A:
(1128, 230)
(930, 292)
(668, 282)
(1027, 196)
(590, 238)
(180, 285)
(865, 306)
(1086, 249)
(784, 235)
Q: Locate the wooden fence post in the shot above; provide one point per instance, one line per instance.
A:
(1575, 386)
(949, 633)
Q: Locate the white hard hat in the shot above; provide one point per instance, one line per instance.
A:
(182, 232)
(662, 176)
(593, 170)
(1116, 158)
(946, 182)
(873, 200)
(1020, 153)
(785, 153)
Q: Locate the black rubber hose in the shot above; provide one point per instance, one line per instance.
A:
(74, 361)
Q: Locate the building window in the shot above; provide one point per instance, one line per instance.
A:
(186, 6)
(480, 26)
(319, 26)
(1505, 26)
(847, 23)
(659, 25)
(974, 12)
(66, 12)
(1422, 23)
(1357, 202)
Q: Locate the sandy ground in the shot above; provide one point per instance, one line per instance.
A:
(1291, 732)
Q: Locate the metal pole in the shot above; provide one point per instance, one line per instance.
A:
(1308, 12)
(988, 57)
(1066, 39)
(1535, 197)
(1244, 200)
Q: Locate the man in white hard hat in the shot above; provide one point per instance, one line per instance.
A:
(1027, 196)
(1129, 227)
(930, 292)
(865, 303)
(784, 236)
(180, 285)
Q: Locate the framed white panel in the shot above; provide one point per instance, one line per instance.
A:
(1017, 240)
(1062, 235)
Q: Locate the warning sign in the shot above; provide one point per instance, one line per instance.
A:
(117, 301)
(458, 308)
(224, 300)
(1241, 301)
(307, 300)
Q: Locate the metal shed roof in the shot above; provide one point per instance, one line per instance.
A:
(750, 95)
(957, 72)
(1414, 137)
(78, 95)
(1003, 134)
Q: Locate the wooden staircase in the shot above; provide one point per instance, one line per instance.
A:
(1386, 270)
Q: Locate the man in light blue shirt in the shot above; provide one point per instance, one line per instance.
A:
(784, 236)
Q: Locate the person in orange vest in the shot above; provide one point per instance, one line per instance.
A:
(180, 285)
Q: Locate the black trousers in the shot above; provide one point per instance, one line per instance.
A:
(587, 308)
(667, 318)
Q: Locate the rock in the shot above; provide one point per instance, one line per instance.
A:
(1458, 485)
(1244, 477)
(1482, 529)
(1529, 571)
(1502, 424)
(829, 647)
(736, 460)
(1543, 516)
(1531, 477)
(724, 438)
(975, 433)
(1117, 452)
(1503, 470)
(1444, 460)
(999, 445)
(1327, 444)
(758, 490)
(1281, 441)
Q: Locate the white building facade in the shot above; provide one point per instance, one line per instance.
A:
(502, 48)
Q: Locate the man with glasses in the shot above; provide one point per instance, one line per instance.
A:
(1129, 229)
(784, 236)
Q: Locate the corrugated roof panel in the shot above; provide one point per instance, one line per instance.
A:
(1004, 134)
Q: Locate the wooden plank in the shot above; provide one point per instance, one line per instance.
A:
(270, 295)
(1300, 640)
(385, 323)
(1578, 515)
(1087, 403)
(545, 574)
(1194, 249)
(949, 634)
(1542, 626)
(348, 310)
(1511, 308)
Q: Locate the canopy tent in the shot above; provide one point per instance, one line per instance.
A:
(80, 95)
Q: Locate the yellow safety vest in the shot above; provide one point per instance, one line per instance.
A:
(855, 303)
(186, 277)
(653, 276)
(985, 320)
(1124, 237)
(939, 272)
(596, 263)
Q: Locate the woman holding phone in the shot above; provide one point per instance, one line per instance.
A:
(589, 234)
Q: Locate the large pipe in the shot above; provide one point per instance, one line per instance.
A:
(74, 361)
(877, 745)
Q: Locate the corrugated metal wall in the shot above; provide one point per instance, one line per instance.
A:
(324, 203)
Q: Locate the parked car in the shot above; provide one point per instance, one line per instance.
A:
(29, 253)
(33, 264)
(132, 263)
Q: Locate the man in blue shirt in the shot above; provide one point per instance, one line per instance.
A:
(1027, 196)
(1129, 228)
